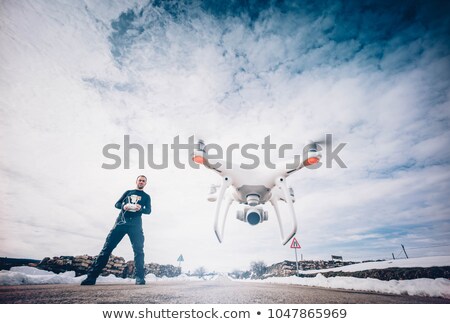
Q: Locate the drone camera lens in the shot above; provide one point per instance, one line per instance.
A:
(253, 218)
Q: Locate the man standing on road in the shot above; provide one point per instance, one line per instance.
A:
(132, 205)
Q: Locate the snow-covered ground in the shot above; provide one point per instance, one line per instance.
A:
(418, 287)
(32, 276)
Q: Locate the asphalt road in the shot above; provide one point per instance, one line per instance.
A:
(194, 292)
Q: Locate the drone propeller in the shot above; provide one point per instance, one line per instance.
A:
(312, 146)
(198, 156)
(327, 140)
(323, 142)
(320, 142)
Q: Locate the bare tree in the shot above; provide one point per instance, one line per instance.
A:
(258, 268)
(200, 272)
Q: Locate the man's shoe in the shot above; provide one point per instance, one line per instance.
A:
(140, 281)
(89, 281)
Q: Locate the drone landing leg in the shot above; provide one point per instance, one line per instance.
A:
(281, 183)
(277, 212)
(219, 235)
(219, 232)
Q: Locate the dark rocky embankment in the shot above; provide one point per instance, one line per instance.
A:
(393, 273)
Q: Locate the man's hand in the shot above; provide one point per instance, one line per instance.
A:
(125, 207)
(138, 207)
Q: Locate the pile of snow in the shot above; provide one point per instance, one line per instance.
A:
(31, 276)
(416, 287)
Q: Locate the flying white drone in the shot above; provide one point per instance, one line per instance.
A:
(253, 188)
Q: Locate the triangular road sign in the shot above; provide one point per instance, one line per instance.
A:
(180, 258)
(294, 244)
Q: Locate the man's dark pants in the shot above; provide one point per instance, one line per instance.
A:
(132, 227)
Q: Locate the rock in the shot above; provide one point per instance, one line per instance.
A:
(116, 266)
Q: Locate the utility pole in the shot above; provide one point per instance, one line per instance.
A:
(393, 257)
(404, 251)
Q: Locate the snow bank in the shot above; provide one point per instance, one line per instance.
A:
(31, 276)
(416, 287)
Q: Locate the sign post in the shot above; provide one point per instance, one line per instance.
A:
(295, 245)
(180, 259)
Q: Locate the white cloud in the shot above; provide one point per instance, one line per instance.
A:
(65, 96)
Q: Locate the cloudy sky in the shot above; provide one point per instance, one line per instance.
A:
(78, 75)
